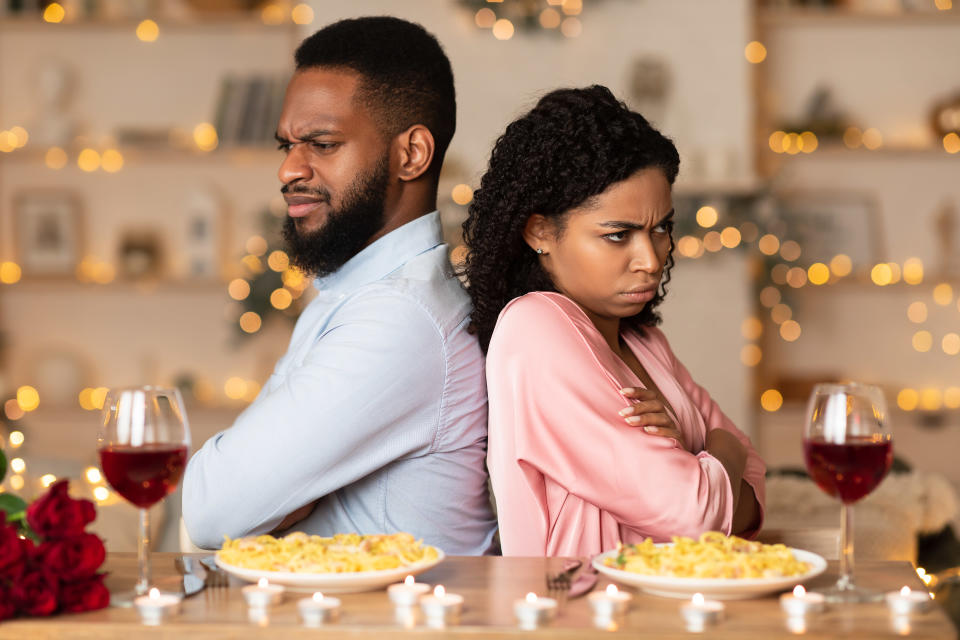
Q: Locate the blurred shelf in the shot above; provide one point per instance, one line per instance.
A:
(840, 152)
(236, 155)
(227, 22)
(29, 285)
(809, 17)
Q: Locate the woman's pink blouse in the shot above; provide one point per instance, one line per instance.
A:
(570, 476)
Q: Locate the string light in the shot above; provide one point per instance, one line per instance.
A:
(148, 31)
(790, 251)
(302, 14)
(503, 29)
(54, 13)
(13, 410)
(943, 294)
(950, 344)
(917, 312)
(111, 160)
(278, 261)
(853, 138)
(16, 439)
(818, 273)
(47, 479)
(780, 313)
(881, 275)
(28, 398)
(205, 136)
(931, 399)
(908, 399)
(235, 388)
(790, 331)
(951, 143)
(750, 355)
(751, 328)
(712, 241)
(922, 341)
(872, 139)
(18, 465)
(771, 400)
(769, 244)
(281, 299)
(571, 27)
(707, 217)
(485, 18)
(250, 322)
(841, 265)
(55, 158)
(769, 296)
(755, 52)
(88, 160)
(797, 277)
(93, 475)
(10, 272)
(549, 18)
(913, 271)
(730, 237)
(462, 194)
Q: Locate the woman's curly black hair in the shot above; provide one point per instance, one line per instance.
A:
(571, 146)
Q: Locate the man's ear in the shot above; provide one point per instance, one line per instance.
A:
(415, 148)
(539, 233)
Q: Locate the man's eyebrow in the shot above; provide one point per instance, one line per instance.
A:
(310, 135)
(623, 224)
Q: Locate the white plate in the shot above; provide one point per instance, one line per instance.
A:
(348, 582)
(712, 588)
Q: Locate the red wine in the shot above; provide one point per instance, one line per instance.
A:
(851, 470)
(143, 475)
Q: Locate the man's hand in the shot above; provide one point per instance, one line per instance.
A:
(295, 517)
(648, 412)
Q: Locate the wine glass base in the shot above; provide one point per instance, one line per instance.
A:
(850, 595)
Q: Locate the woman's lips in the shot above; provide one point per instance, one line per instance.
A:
(640, 295)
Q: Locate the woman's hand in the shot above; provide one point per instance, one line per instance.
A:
(647, 411)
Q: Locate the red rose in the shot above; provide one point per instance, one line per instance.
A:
(7, 608)
(35, 594)
(85, 594)
(13, 551)
(57, 515)
(71, 558)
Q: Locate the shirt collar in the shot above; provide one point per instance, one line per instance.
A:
(385, 255)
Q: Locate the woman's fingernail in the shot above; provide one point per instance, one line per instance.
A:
(626, 411)
(634, 419)
(650, 429)
(626, 390)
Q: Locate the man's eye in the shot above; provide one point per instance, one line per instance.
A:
(619, 236)
(323, 146)
(284, 146)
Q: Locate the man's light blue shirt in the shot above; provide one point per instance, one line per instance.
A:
(378, 411)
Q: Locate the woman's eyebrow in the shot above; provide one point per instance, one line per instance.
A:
(623, 224)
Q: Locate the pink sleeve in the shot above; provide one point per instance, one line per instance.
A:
(755, 471)
(557, 407)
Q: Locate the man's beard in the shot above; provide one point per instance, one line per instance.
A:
(346, 230)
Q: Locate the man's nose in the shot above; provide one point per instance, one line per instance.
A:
(294, 166)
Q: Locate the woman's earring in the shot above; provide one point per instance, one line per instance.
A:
(539, 252)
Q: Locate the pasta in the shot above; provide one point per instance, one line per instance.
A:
(714, 555)
(343, 553)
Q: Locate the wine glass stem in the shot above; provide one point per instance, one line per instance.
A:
(846, 548)
(143, 552)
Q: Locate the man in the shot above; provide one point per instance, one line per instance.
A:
(375, 419)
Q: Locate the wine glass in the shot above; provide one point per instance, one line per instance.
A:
(143, 443)
(848, 449)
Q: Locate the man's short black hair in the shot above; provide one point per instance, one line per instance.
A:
(406, 77)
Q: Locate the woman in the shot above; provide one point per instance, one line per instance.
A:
(597, 433)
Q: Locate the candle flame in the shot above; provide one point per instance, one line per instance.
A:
(317, 597)
(799, 591)
(439, 591)
(905, 592)
(154, 593)
(612, 590)
(408, 581)
(698, 599)
(263, 583)
(531, 597)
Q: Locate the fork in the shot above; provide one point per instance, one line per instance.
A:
(558, 584)
(217, 581)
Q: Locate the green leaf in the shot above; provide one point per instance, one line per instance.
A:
(13, 506)
(3, 465)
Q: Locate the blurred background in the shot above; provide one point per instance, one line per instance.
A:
(818, 209)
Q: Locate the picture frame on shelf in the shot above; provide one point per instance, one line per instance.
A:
(48, 233)
(829, 223)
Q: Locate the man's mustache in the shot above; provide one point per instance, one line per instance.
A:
(319, 193)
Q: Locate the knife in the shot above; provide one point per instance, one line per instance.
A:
(194, 575)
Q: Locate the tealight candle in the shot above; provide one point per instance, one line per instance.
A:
(533, 611)
(155, 606)
(906, 601)
(800, 603)
(408, 592)
(318, 609)
(441, 608)
(700, 612)
(609, 604)
(262, 594)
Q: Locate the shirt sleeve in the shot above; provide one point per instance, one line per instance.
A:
(754, 472)
(332, 421)
(564, 423)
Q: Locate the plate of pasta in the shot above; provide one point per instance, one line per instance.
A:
(343, 563)
(720, 567)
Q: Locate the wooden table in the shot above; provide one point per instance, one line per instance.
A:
(489, 586)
